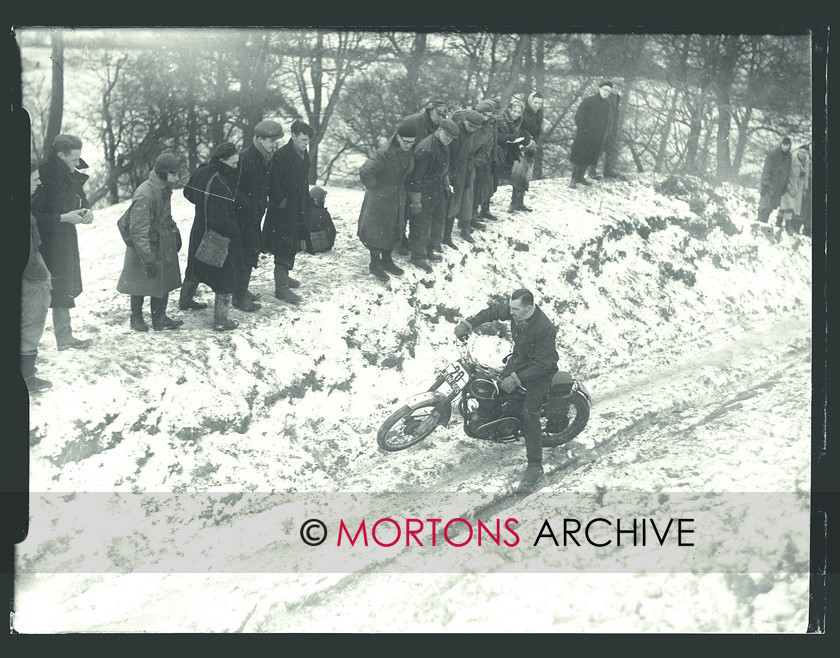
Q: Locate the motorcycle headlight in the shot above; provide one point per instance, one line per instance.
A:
(483, 389)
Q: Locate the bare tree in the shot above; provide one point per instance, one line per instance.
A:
(57, 95)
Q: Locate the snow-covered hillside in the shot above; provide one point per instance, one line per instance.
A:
(668, 297)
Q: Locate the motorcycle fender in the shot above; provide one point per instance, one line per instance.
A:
(417, 401)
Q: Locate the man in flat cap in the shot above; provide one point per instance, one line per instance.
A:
(462, 152)
(151, 267)
(251, 202)
(428, 191)
(59, 205)
(591, 120)
(484, 140)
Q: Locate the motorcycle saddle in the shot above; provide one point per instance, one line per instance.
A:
(561, 383)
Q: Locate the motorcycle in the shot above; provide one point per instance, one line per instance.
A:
(488, 412)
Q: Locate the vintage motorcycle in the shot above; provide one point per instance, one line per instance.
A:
(488, 412)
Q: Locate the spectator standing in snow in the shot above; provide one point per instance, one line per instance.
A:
(462, 151)
(424, 123)
(382, 216)
(34, 298)
(286, 229)
(429, 189)
(611, 142)
(532, 124)
(211, 190)
(151, 266)
(775, 177)
(251, 202)
(484, 139)
(59, 205)
(798, 191)
(591, 120)
(531, 366)
(485, 191)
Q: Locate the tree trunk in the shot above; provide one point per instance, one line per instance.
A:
(724, 124)
(662, 153)
(57, 96)
(515, 69)
(743, 140)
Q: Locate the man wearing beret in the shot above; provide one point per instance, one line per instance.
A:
(591, 120)
(531, 366)
(59, 205)
(428, 191)
(251, 202)
(462, 153)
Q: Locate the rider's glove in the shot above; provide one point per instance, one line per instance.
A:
(462, 330)
(508, 384)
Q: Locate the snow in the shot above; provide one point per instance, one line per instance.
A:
(209, 450)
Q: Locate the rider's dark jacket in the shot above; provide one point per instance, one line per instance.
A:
(534, 352)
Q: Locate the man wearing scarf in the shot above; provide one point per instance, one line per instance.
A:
(151, 266)
(531, 366)
(251, 202)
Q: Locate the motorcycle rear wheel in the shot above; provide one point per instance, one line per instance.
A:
(578, 416)
(409, 425)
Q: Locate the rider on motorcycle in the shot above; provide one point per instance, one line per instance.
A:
(531, 366)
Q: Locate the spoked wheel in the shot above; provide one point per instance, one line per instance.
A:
(409, 424)
(560, 430)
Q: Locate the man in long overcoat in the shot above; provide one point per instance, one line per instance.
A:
(58, 205)
(424, 123)
(286, 222)
(462, 164)
(591, 120)
(775, 177)
(151, 266)
(251, 202)
(429, 189)
(382, 216)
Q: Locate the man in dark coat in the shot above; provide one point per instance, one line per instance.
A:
(382, 216)
(211, 190)
(591, 121)
(251, 202)
(462, 152)
(775, 177)
(34, 298)
(531, 366)
(58, 205)
(423, 123)
(429, 189)
(151, 266)
(286, 223)
(611, 142)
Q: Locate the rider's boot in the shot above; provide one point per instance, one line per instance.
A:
(533, 450)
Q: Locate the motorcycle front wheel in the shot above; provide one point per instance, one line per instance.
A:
(409, 424)
(575, 421)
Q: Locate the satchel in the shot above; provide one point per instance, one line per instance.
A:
(213, 248)
(124, 227)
